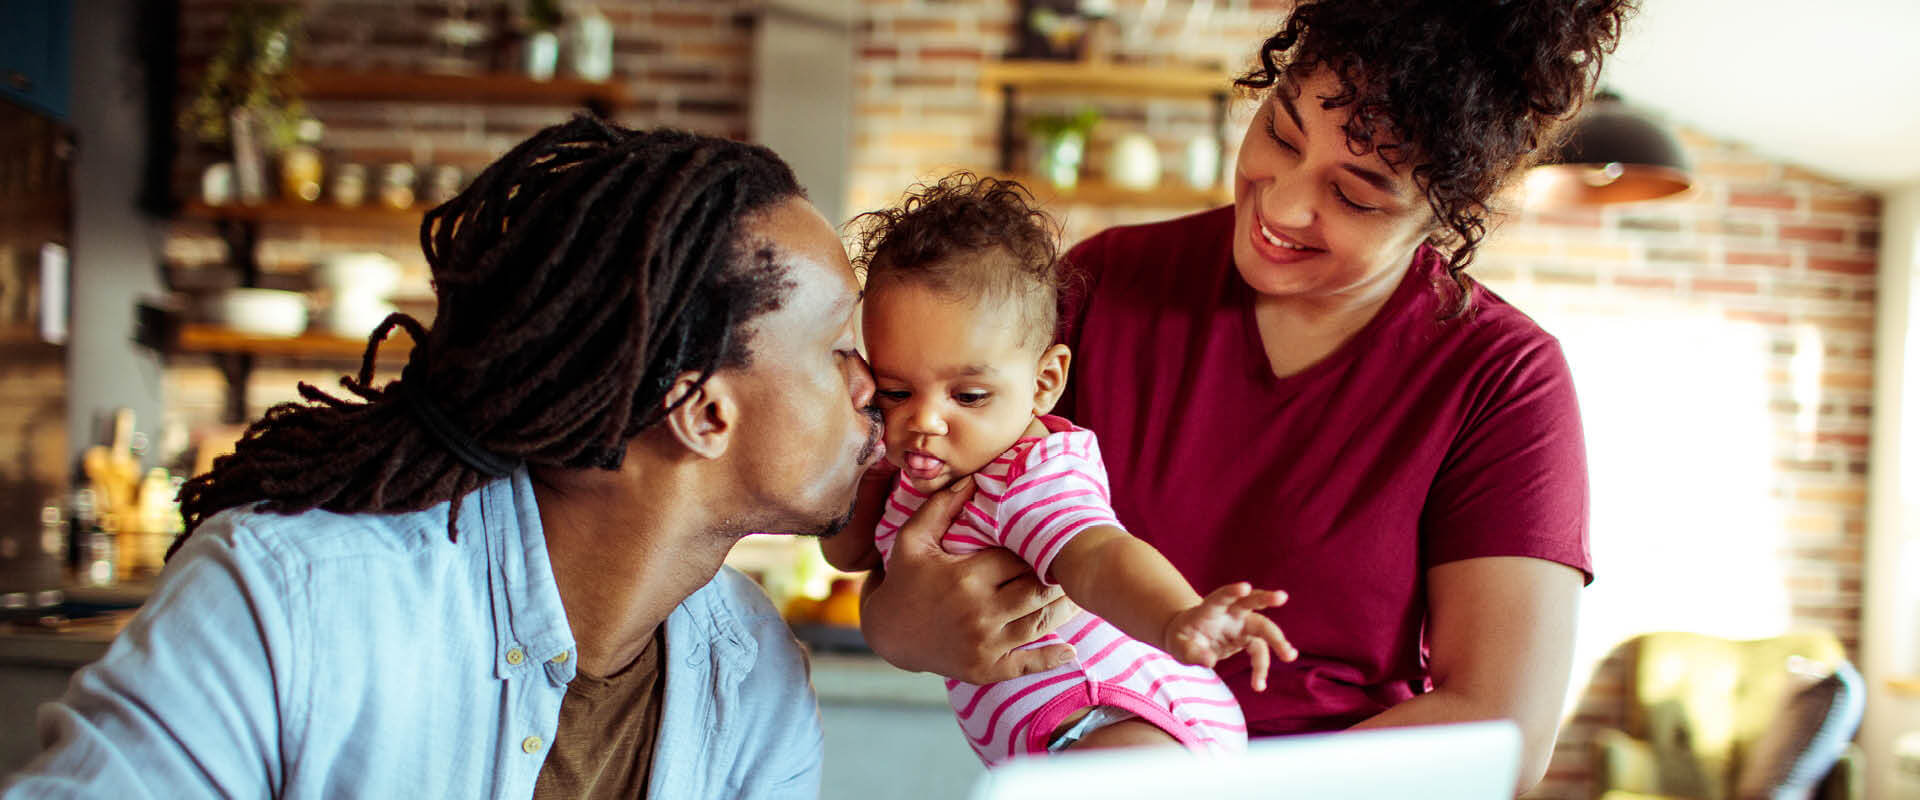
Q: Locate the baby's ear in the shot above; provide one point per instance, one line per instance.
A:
(1051, 378)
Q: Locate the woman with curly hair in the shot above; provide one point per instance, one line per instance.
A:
(1305, 390)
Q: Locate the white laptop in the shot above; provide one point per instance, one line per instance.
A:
(1467, 761)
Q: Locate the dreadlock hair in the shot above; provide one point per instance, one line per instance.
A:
(972, 237)
(577, 278)
(1471, 90)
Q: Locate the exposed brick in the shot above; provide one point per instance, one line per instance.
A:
(1726, 286)
(1676, 255)
(952, 54)
(1762, 317)
(685, 19)
(1651, 224)
(1567, 219)
(1863, 205)
(1758, 259)
(1773, 200)
(1851, 266)
(1645, 282)
(1730, 227)
(1812, 233)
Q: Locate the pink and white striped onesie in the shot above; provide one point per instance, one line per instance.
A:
(1031, 500)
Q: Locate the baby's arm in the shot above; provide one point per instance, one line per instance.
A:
(1130, 584)
(852, 549)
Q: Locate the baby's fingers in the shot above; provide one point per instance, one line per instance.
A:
(1228, 596)
(1257, 653)
(1266, 634)
(1256, 600)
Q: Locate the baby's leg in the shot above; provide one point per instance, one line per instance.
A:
(1130, 733)
(1106, 726)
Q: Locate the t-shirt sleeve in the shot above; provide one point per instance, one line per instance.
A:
(1514, 482)
(1061, 493)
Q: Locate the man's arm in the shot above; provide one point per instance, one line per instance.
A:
(183, 704)
(1501, 634)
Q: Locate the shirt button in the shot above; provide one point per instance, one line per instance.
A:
(530, 745)
(560, 659)
(514, 657)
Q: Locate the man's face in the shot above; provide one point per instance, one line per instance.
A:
(807, 427)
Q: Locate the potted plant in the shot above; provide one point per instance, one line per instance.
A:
(247, 101)
(1062, 143)
(542, 46)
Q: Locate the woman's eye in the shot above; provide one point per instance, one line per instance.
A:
(971, 398)
(1274, 133)
(1348, 202)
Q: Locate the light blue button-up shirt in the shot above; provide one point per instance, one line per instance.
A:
(329, 655)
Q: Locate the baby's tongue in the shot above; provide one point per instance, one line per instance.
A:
(917, 461)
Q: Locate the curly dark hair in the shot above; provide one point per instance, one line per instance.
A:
(1468, 91)
(577, 277)
(970, 236)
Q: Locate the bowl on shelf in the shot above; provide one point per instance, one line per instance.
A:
(261, 312)
(352, 315)
(359, 273)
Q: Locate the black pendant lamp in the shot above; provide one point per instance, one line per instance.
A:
(1614, 155)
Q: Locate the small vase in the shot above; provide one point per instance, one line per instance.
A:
(542, 55)
(1060, 158)
(590, 45)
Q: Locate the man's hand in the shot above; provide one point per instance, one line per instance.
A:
(1226, 622)
(960, 616)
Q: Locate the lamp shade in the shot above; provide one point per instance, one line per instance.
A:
(1614, 155)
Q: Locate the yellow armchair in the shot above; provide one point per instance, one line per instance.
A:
(1707, 718)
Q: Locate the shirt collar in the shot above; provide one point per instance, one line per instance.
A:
(529, 624)
(529, 618)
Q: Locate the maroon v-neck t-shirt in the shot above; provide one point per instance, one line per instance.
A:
(1420, 441)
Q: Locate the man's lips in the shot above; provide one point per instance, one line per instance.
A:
(876, 446)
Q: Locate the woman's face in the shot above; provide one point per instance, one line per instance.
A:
(1311, 219)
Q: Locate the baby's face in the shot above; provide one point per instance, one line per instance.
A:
(957, 380)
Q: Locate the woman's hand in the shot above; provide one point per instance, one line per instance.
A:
(1226, 622)
(960, 616)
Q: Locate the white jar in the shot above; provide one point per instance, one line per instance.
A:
(1134, 163)
(1202, 167)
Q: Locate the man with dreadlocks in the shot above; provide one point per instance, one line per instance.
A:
(500, 575)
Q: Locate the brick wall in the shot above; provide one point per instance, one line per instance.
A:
(1721, 341)
(1722, 345)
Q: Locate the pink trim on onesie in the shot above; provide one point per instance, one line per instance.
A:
(1033, 500)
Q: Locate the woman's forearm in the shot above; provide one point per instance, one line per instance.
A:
(1442, 706)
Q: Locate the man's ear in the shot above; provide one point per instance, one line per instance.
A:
(1051, 379)
(705, 421)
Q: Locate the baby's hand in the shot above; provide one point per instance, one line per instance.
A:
(1226, 622)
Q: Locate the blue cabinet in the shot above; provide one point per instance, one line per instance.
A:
(35, 53)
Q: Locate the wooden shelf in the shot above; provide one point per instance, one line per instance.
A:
(312, 345)
(1127, 80)
(503, 89)
(1905, 685)
(306, 214)
(1101, 193)
(23, 336)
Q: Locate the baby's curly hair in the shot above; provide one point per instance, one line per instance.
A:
(1470, 91)
(973, 237)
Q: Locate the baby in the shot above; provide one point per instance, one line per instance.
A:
(962, 299)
